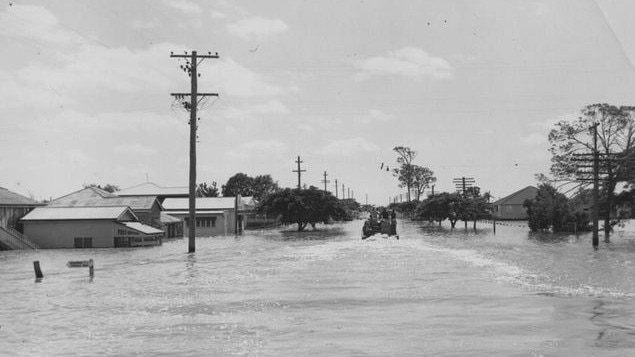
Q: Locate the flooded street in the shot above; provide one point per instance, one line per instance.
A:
(328, 293)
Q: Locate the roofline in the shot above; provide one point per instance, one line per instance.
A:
(510, 196)
(68, 194)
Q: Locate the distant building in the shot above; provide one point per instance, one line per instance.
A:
(147, 208)
(214, 215)
(152, 189)
(12, 208)
(88, 227)
(511, 206)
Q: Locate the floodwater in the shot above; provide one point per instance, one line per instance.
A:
(328, 293)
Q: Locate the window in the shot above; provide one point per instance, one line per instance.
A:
(83, 242)
(206, 222)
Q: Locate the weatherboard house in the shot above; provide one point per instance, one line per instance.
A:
(511, 207)
(214, 215)
(13, 207)
(88, 227)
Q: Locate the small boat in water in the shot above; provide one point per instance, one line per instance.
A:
(385, 228)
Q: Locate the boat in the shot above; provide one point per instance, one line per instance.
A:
(384, 228)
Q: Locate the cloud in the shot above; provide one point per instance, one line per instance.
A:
(134, 149)
(35, 23)
(228, 77)
(408, 62)
(349, 147)
(185, 6)
(533, 139)
(259, 148)
(254, 110)
(256, 28)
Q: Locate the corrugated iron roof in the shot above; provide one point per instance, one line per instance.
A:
(518, 197)
(9, 198)
(89, 198)
(77, 213)
(166, 218)
(202, 203)
(152, 189)
(140, 227)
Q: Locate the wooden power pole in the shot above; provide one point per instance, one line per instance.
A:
(299, 171)
(596, 187)
(325, 181)
(336, 196)
(192, 61)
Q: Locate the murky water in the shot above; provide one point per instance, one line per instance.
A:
(328, 293)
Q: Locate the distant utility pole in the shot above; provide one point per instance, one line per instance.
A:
(343, 192)
(299, 171)
(596, 187)
(336, 188)
(349, 193)
(192, 61)
(325, 181)
(463, 183)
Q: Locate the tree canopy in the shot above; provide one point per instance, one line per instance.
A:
(205, 190)
(107, 187)
(244, 185)
(616, 144)
(302, 206)
(405, 172)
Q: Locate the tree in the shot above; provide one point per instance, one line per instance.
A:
(239, 184)
(302, 206)
(107, 187)
(422, 178)
(616, 142)
(439, 207)
(205, 190)
(264, 185)
(549, 210)
(405, 173)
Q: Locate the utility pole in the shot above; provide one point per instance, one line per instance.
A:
(596, 187)
(343, 192)
(336, 188)
(299, 171)
(192, 61)
(325, 181)
(349, 193)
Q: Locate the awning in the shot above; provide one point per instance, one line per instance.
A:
(142, 228)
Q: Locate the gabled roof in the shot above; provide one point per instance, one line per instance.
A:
(9, 198)
(94, 197)
(79, 213)
(152, 189)
(202, 203)
(518, 197)
(166, 218)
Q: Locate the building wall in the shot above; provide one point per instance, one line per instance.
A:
(223, 225)
(9, 216)
(62, 234)
(510, 212)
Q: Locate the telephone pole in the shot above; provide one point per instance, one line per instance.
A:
(192, 61)
(299, 171)
(325, 181)
(596, 187)
(336, 188)
(343, 192)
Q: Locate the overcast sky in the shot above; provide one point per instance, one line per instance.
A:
(472, 86)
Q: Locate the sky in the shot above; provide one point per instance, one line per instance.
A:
(472, 86)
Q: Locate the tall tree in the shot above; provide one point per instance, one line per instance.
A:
(239, 184)
(616, 141)
(549, 210)
(422, 178)
(205, 190)
(405, 173)
(264, 185)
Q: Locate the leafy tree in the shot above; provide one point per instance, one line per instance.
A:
(422, 178)
(302, 206)
(440, 207)
(616, 135)
(264, 185)
(405, 172)
(549, 210)
(205, 190)
(107, 187)
(239, 184)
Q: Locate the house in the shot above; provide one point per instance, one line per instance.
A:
(14, 206)
(147, 208)
(214, 215)
(152, 189)
(88, 227)
(511, 206)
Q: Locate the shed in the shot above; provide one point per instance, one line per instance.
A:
(214, 215)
